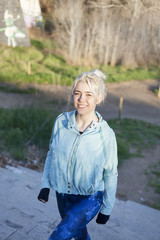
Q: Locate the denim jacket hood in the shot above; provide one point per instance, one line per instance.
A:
(82, 163)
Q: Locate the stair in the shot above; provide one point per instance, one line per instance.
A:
(22, 216)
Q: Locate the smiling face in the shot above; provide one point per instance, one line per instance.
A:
(84, 100)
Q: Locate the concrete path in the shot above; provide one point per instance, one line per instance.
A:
(22, 216)
(139, 100)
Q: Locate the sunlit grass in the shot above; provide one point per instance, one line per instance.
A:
(49, 67)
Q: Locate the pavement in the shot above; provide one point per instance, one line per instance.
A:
(22, 216)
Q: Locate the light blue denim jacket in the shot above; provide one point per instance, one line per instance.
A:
(82, 163)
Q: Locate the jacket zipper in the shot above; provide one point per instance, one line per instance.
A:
(71, 162)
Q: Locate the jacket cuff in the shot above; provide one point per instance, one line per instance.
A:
(105, 211)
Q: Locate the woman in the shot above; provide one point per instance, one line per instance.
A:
(81, 164)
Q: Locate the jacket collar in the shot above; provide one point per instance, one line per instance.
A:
(71, 122)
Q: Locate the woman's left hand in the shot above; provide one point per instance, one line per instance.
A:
(43, 195)
(102, 219)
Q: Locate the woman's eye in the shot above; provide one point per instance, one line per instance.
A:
(89, 95)
(76, 93)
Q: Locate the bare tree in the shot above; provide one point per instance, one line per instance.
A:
(69, 16)
(108, 31)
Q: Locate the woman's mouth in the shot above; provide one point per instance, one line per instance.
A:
(82, 106)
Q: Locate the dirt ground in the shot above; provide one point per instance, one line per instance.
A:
(139, 102)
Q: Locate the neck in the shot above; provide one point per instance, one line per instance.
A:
(83, 121)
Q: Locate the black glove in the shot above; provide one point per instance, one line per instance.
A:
(44, 194)
(102, 219)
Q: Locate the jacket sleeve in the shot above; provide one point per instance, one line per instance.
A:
(45, 182)
(110, 176)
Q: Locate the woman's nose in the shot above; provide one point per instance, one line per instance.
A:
(81, 98)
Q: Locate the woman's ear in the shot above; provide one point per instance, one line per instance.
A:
(99, 99)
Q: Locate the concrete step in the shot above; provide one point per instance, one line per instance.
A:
(22, 216)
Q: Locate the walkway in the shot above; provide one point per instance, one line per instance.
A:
(22, 216)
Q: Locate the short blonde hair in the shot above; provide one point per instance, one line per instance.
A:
(95, 79)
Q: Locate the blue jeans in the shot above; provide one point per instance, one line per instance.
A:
(76, 212)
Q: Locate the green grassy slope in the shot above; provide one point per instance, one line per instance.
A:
(48, 67)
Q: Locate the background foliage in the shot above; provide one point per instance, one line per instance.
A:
(110, 32)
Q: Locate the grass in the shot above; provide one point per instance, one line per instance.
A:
(22, 127)
(153, 174)
(119, 73)
(48, 67)
(155, 205)
(138, 135)
(134, 134)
